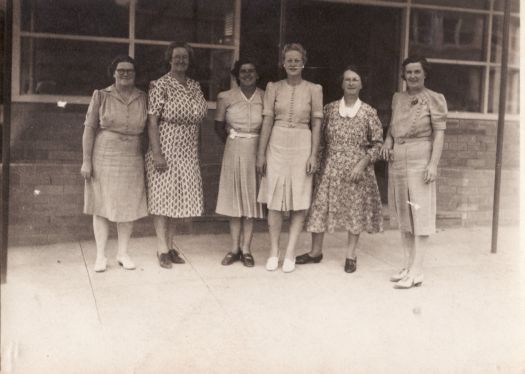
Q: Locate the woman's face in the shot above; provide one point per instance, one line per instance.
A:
(415, 75)
(180, 60)
(352, 84)
(293, 63)
(124, 74)
(247, 75)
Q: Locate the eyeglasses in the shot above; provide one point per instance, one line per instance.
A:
(125, 71)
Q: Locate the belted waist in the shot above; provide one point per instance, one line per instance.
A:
(241, 134)
(292, 125)
(120, 135)
(413, 140)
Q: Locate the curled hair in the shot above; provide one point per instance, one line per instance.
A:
(117, 60)
(359, 70)
(239, 63)
(294, 47)
(169, 51)
(415, 59)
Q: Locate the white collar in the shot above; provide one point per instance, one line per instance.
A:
(351, 111)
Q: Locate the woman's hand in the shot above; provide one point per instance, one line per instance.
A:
(386, 149)
(86, 170)
(359, 170)
(160, 163)
(311, 165)
(260, 165)
(430, 173)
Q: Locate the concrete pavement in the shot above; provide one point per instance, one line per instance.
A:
(58, 316)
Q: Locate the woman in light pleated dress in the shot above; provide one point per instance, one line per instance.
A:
(113, 165)
(238, 122)
(287, 153)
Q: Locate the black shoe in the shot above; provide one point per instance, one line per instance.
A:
(351, 265)
(247, 260)
(230, 258)
(175, 257)
(164, 260)
(307, 259)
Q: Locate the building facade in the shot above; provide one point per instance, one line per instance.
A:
(61, 49)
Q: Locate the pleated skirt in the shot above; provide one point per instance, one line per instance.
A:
(286, 185)
(411, 200)
(116, 190)
(238, 184)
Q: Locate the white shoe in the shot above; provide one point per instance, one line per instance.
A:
(126, 262)
(272, 263)
(399, 275)
(100, 264)
(288, 265)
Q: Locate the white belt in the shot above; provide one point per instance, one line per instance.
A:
(247, 135)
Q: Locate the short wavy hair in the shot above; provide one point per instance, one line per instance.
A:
(169, 51)
(294, 47)
(240, 62)
(415, 59)
(359, 70)
(117, 60)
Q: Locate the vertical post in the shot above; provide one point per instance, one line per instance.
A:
(501, 126)
(282, 31)
(6, 139)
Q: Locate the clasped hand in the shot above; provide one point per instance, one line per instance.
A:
(160, 163)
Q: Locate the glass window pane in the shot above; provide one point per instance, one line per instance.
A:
(196, 21)
(211, 67)
(461, 86)
(471, 4)
(64, 67)
(450, 35)
(81, 17)
(514, 5)
(513, 91)
(497, 40)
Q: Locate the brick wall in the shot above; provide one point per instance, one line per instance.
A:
(47, 190)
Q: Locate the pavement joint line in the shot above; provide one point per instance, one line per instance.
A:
(90, 283)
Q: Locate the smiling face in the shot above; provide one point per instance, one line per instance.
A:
(247, 75)
(352, 84)
(415, 76)
(293, 63)
(180, 60)
(124, 74)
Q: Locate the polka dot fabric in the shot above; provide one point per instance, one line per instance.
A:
(176, 192)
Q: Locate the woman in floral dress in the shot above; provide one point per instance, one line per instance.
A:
(346, 194)
(176, 108)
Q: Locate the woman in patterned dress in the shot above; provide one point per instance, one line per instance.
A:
(287, 153)
(346, 193)
(113, 166)
(176, 108)
(413, 146)
(241, 108)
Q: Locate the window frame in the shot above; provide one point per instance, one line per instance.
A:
(131, 41)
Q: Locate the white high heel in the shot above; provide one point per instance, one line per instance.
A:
(101, 264)
(410, 281)
(272, 263)
(399, 275)
(126, 262)
(288, 265)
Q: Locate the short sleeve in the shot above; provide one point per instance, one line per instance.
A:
(269, 100)
(317, 101)
(222, 104)
(92, 115)
(438, 111)
(156, 98)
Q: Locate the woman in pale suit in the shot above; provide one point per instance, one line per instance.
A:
(238, 121)
(413, 146)
(113, 166)
(287, 154)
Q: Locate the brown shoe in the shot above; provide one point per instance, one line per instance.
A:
(351, 265)
(164, 260)
(230, 258)
(247, 260)
(175, 257)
